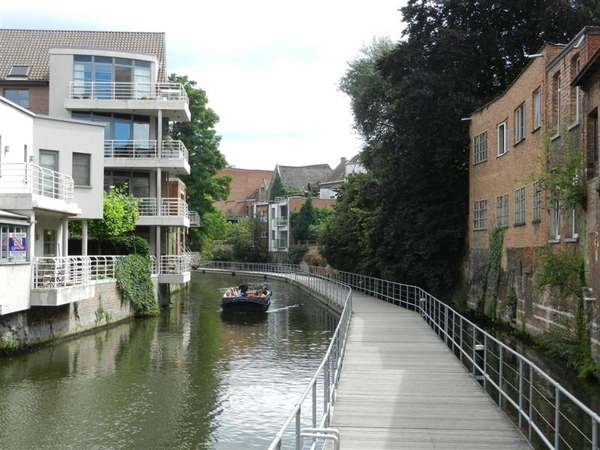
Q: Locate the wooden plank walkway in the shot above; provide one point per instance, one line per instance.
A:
(402, 388)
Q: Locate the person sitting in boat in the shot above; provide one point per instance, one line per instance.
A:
(243, 289)
(228, 292)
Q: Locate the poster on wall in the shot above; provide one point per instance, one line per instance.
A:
(17, 246)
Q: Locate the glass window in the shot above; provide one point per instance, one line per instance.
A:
(480, 215)
(502, 211)
(18, 96)
(13, 242)
(537, 109)
(554, 232)
(19, 70)
(520, 123)
(571, 224)
(480, 148)
(520, 206)
(81, 169)
(502, 138)
(536, 201)
(575, 93)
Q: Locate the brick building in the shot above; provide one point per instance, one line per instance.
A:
(551, 105)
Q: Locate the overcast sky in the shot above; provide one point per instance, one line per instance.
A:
(270, 68)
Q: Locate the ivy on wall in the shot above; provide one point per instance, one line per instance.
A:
(134, 283)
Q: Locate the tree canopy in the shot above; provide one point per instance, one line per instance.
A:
(408, 102)
(200, 137)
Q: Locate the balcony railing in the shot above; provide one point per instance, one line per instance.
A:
(24, 178)
(175, 264)
(101, 90)
(166, 207)
(145, 149)
(57, 272)
(280, 221)
(194, 217)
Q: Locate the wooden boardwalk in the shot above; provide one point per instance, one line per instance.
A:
(402, 388)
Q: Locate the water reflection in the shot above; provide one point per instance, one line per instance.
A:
(190, 379)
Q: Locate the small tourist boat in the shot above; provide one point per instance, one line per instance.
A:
(244, 298)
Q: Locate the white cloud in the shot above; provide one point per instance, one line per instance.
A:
(269, 67)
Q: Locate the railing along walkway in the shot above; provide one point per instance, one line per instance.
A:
(401, 387)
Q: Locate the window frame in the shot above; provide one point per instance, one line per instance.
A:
(86, 180)
(520, 122)
(502, 211)
(519, 212)
(480, 214)
(502, 137)
(536, 99)
(480, 147)
(536, 202)
(18, 100)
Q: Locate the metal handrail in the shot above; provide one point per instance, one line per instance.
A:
(546, 412)
(106, 90)
(23, 178)
(129, 148)
(151, 206)
(316, 413)
(62, 271)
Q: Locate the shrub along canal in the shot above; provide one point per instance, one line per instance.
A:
(188, 379)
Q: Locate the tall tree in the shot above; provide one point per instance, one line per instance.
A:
(455, 56)
(200, 137)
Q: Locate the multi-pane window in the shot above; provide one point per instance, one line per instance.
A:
(556, 101)
(13, 243)
(520, 206)
(537, 109)
(112, 77)
(480, 215)
(520, 123)
(81, 169)
(575, 101)
(18, 96)
(480, 149)
(502, 132)
(571, 224)
(502, 211)
(536, 202)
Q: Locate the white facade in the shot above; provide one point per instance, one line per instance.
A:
(37, 201)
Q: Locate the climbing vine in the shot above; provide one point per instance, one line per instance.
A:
(563, 271)
(561, 172)
(493, 267)
(134, 283)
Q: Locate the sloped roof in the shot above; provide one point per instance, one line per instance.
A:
(303, 177)
(338, 174)
(30, 47)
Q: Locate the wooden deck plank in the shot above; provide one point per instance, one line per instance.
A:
(402, 388)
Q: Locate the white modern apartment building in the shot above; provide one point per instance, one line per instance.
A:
(83, 111)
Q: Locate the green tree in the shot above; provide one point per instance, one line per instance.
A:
(347, 241)
(454, 57)
(120, 214)
(200, 137)
(304, 220)
(277, 189)
(243, 236)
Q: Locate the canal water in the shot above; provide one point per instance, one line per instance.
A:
(189, 379)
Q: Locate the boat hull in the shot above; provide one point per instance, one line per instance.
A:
(246, 304)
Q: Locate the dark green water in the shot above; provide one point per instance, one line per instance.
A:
(190, 379)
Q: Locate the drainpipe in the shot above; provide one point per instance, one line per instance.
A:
(65, 236)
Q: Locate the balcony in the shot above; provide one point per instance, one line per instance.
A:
(280, 222)
(139, 98)
(194, 217)
(170, 154)
(62, 280)
(170, 212)
(27, 186)
(174, 269)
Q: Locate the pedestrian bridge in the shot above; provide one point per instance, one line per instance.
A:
(405, 371)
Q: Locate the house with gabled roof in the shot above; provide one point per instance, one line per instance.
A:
(247, 186)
